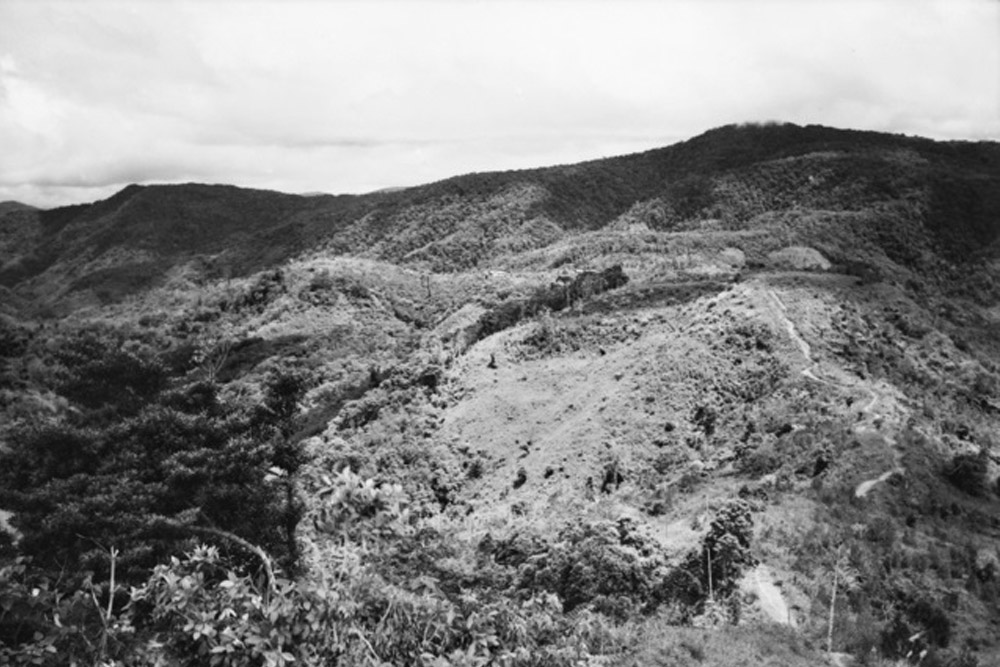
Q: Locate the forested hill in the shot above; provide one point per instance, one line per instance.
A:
(733, 401)
(727, 178)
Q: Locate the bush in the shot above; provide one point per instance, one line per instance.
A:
(760, 462)
(28, 635)
(921, 625)
(610, 567)
(267, 287)
(967, 472)
(195, 610)
(384, 589)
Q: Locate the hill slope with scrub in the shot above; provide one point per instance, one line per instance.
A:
(733, 397)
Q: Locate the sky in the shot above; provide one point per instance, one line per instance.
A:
(350, 97)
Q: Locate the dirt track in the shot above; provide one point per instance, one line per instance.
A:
(869, 416)
(772, 602)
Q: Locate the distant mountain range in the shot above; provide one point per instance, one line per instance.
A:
(734, 177)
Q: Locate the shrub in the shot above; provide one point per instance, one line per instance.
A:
(322, 281)
(385, 589)
(760, 462)
(919, 626)
(475, 469)
(705, 418)
(28, 604)
(197, 611)
(967, 472)
(610, 567)
(390, 591)
(267, 287)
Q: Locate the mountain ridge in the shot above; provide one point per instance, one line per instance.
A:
(467, 220)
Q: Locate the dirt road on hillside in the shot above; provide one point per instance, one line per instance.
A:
(790, 327)
(870, 417)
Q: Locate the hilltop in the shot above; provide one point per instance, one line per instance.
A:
(622, 400)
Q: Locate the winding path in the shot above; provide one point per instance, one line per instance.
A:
(868, 485)
(868, 411)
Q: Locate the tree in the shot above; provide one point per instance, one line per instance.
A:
(714, 569)
(281, 402)
(968, 472)
(149, 483)
(726, 547)
(843, 575)
(109, 373)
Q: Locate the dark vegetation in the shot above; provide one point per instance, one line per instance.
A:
(144, 464)
(968, 472)
(552, 298)
(141, 458)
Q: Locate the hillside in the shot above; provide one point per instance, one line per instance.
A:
(910, 195)
(680, 407)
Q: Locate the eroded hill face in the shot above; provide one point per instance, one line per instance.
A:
(810, 325)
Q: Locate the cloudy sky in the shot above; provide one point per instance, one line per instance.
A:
(354, 96)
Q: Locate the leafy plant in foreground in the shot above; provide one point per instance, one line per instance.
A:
(352, 608)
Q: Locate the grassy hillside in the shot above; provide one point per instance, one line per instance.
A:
(733, 401)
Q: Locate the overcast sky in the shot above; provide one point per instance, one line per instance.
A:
(351, 96)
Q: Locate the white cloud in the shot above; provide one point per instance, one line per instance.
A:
(350, 96)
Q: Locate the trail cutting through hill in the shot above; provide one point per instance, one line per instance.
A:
(793, 332)
(868, 424)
